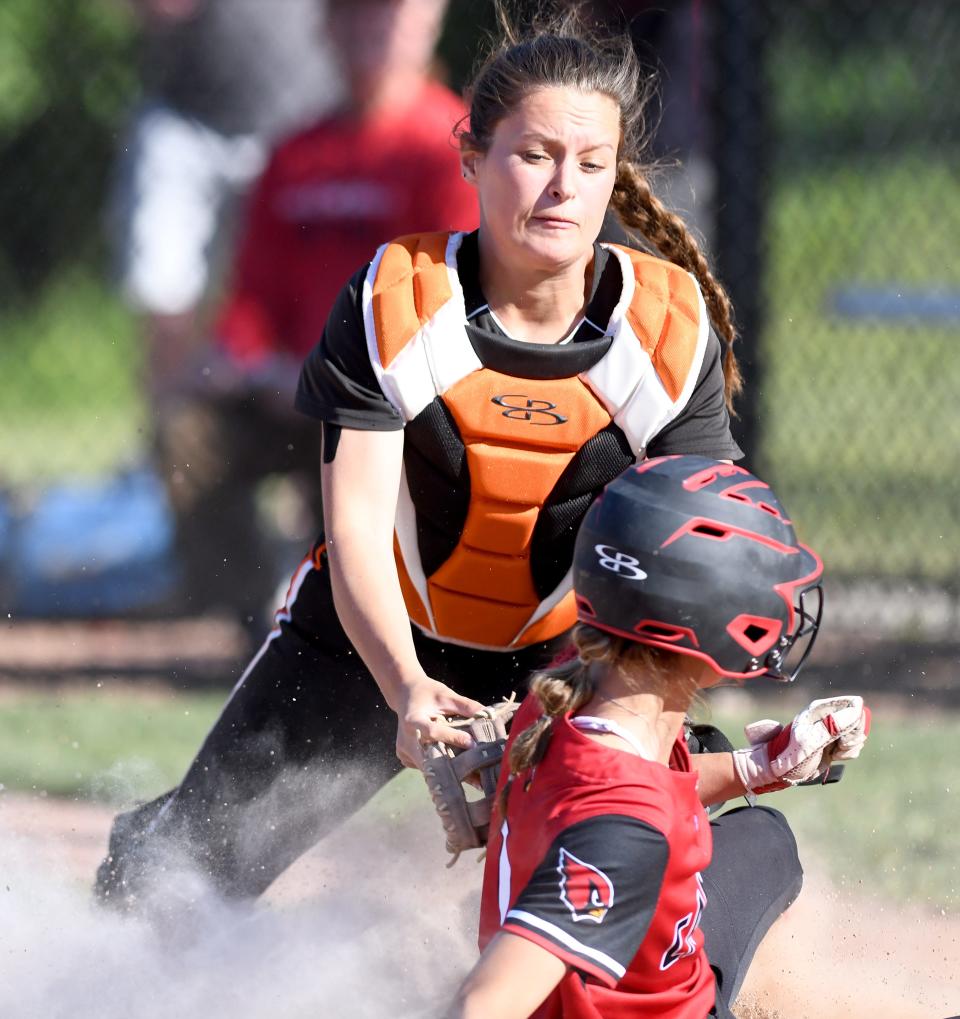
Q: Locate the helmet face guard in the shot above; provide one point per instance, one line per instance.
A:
(699, 557)
(783, 663)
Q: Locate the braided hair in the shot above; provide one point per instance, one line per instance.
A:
(559, 47)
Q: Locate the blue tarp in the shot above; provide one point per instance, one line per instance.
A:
(89, 549)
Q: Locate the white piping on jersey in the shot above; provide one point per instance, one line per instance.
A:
(553, 599)
(405, 528)
(568, 940)
(503, 873)
(625, 381)
(591, 723)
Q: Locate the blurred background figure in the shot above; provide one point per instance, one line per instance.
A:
(220, 78)
(378, 166)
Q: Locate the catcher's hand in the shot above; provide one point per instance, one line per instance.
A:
(447, 769)
(831, 729)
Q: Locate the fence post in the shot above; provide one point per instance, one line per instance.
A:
(739, 145)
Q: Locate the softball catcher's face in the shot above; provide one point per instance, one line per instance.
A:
(545, 182)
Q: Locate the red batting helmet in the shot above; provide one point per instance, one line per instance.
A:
(699, 557)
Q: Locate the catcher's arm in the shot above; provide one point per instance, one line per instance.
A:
(451, 772)
(361, 480)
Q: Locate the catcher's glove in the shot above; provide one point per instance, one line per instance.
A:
(446, 769)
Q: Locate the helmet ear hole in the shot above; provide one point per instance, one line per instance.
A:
(755, 634)
(584, 609)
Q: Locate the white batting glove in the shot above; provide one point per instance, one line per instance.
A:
(831, 729)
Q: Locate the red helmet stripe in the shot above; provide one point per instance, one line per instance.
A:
(666, 646)
(716, 530)
(669, 633)
(736, 493)
(584, 608)
(707, 476)
(655, 461)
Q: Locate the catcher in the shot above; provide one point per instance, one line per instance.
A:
(475, 391)
(599, 898)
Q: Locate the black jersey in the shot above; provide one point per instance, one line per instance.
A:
(490, 503)
(338, 385)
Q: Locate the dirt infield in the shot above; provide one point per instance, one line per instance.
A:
(378, 890)
(835, 955)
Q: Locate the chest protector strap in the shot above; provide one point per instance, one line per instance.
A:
(519, 434)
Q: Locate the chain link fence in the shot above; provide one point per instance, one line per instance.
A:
(858, 422)
(834, 137)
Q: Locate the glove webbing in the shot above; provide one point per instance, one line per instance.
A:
(445, 768)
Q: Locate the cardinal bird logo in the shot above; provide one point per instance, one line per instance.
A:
(585, 890)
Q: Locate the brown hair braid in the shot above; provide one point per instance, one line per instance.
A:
(566, 687)
(639, 209)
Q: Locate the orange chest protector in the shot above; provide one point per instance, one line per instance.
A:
(519, 435)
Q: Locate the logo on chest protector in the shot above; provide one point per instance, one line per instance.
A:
(537, 412)
(586, 891)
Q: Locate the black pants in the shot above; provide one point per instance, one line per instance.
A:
(263, 788)
(754, 876)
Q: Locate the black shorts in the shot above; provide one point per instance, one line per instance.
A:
(755, 874)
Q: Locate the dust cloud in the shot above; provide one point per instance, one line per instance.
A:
(371, 925)
(368, 924)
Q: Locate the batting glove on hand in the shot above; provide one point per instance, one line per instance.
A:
(831, 729)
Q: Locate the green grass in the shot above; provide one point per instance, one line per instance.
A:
(70, 401)
(883, 830)
(101, 745)
(860, 430)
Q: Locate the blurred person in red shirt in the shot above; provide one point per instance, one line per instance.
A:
(384, 164)
(221, 81)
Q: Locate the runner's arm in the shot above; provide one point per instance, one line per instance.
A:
(511, 979)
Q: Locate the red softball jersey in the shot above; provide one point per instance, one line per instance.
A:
(328, 198)
(598, 861)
